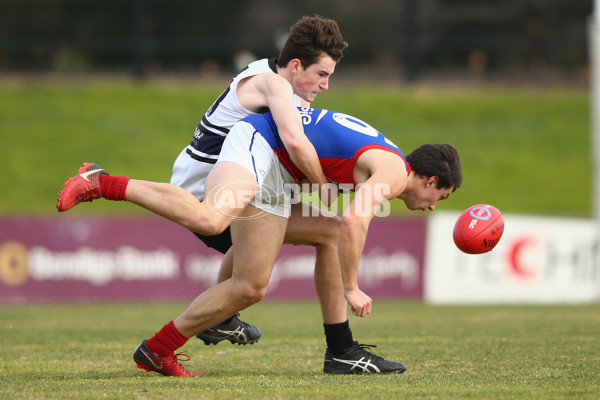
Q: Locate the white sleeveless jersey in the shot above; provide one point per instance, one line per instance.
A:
(196, 160)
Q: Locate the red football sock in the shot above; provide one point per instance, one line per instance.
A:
(113, 187)
(167, 340)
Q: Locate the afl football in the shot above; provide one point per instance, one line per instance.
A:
(478, 229)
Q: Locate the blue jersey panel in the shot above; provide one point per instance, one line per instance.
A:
(338, 138)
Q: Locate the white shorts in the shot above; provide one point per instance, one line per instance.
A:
(245, 146)
(190, 174)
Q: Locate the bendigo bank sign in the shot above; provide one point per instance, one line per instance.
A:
(154, 259)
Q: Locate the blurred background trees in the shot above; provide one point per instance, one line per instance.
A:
(404, 39)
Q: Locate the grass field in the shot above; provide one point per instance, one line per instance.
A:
(83, 351)
(524, 151)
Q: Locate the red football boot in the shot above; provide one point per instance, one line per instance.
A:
(166, 365)
(82, 187)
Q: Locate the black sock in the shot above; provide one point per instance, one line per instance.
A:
(338, 337)
(228, 320)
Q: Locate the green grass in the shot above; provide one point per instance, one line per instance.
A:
(524, 151)
(83, 351)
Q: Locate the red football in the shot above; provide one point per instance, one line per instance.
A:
(478, 229)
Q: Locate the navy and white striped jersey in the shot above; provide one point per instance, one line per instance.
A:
(223, 114)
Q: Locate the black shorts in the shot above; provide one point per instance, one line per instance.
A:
(221, 242)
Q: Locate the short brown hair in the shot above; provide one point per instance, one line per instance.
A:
(309, 38)
(439, 160)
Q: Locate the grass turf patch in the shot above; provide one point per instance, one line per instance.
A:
(68, 351)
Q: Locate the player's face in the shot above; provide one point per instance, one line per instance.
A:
(426, 197)
(310, 81)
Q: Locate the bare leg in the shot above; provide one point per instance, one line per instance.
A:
(166, 200)
(321, 231)
(257, 242)
(226, 269)
(208, 217)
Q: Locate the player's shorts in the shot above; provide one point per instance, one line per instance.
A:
(190, 174)
(221, 242)
(246, 147)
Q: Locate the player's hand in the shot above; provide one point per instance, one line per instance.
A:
(359, 302)
(329, 193)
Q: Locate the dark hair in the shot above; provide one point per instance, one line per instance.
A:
(439, 160)
(309, 38)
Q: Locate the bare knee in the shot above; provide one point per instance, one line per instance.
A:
(248, 293)
(333, 229)
(327, 235)
(209, 227)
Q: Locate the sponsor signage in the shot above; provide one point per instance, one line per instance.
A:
(538, 260)
(114, 258)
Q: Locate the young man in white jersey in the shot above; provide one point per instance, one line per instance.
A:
(302, 71)
(255, 168)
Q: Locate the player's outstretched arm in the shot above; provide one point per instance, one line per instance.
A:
(280, 100)
(351, 241)
(386, 180)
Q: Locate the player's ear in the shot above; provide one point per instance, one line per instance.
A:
(432, 181)
(295, 65)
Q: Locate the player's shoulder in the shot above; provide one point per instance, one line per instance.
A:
(259, 67)
(385, 167)
(270, 83)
